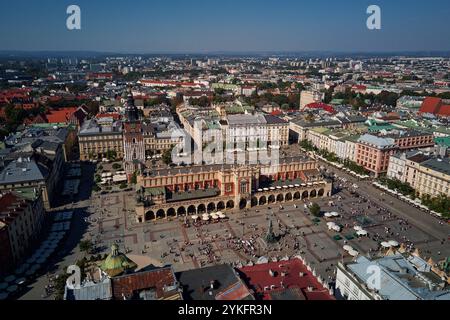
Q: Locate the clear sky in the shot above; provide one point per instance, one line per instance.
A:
(147, 26)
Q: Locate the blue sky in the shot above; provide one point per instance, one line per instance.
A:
(145, 26)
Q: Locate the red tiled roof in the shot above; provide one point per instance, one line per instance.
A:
(359, 87)
(321, 105)
(10, 205)
(276, 113)
(61, 115)
(258, 278)
(100, 75)
(435, 106)
(430, 105)
(157, 279)
(444, 111)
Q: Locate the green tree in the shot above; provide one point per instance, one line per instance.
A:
(116, 166)
(111, 155)
(123, 185)
(167, 156)
(60, 285)
(85, 246)
(314, 209)
(134, 178)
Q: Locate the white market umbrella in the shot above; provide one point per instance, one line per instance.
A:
(353, 253)
(194, 217)
(362, 233)
(385, 244)
(357, 228)
(393, 243)
(328, 215)
(335, 214)
(347, 248)
(205, 218)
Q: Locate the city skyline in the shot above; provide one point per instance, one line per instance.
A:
(235, 152)
(251, 27)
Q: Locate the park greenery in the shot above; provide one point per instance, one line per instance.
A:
(167, 156)
(111, 155)
(402, 187)
(85, 246)
(439, 204)
(315, 210)
(332, 157)
(116, 166)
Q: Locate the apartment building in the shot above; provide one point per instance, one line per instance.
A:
(41, 168)
(411, 139)
(21, 222)
(426, 173)
(355, 280)
(99, 136)
(373, 153)
(310, 96)
(433, 177)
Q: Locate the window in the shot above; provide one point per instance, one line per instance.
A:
(243, 187)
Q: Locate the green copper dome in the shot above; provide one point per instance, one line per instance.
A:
(117, 263)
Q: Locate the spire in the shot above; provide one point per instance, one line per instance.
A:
(114, 250)
(131, 111)
(270, 236)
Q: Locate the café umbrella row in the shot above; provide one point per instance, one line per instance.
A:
(12, 283)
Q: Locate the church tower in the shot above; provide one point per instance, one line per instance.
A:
(131, 112)
(133, 139)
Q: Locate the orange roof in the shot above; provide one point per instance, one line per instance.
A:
(258, 277)
(61, 115)
(444, 111)
(430, 105)
(435, 106)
